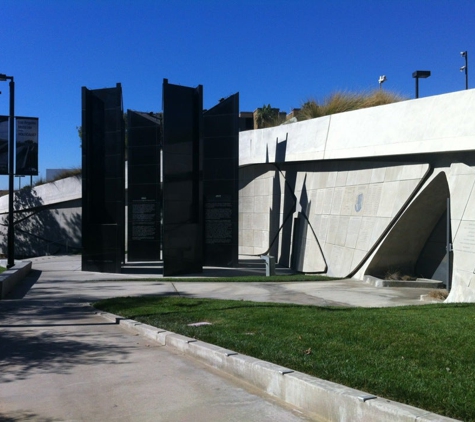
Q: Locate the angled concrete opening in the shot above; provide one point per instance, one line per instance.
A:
(416, 244)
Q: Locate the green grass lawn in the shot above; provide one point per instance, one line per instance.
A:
(2, 269)
(420, 355)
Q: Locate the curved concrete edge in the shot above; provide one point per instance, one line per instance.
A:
(11, 277)
(323, 400)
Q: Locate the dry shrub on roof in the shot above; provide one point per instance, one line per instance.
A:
(341, 101)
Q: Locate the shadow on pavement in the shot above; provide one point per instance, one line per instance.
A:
(35, 338)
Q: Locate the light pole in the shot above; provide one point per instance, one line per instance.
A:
(420, 74)
(11, 230)
(464, 54)
(381, 80)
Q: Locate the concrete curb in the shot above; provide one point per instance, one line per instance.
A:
(11, 277)
(421, 283)
(317, 398)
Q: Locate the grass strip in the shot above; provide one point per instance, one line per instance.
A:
(419, 355)
(2, 269)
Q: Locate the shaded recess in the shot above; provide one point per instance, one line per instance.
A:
(418, 231)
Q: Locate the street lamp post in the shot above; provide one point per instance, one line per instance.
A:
(11, 230)
(420, 74)
(464, 54)
(381, 80)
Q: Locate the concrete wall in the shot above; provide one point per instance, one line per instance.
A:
(365, 192)
(48, 219)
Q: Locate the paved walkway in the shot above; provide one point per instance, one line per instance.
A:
(59, 361)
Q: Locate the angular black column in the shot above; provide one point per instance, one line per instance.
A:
(143, 175)
(103, 180)
(220, 183)
(182, 179)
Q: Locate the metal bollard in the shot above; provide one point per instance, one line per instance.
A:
(270, 264)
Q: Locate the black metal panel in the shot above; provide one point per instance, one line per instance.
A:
(220, 183)
(103, 180)
(182, 179)
(143, 148)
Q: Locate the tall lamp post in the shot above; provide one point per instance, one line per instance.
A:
(464, 54)
(11, 230)
(420, 74)
(381, 80)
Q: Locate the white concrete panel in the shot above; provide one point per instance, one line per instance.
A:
(393, 173)
(357, 258)
(373, 199)
(365, 233)
(414, 171)
(304, 141)
(327, 201)
(246, 204)
(63, 190)
(246, 220)
(464, 240)
(263, 204)
(246, 250)
(341, 178)
(331, 180)
(260, 221)
(247, 189)
(261, 240)
(378, 175)
(323, 228)
(380, 224)
(320, 198)
(313, 258)
(404, 191)
(337, 200)
(246, 238)
(461, 187)
(263, 186)
(425, 125)
(332, 229)
(348, 204)
(340, 237)
(388, 199)
(352, 232)
(322, 180)
(469, 212)
(363, 176)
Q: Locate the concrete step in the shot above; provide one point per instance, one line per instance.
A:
(422, 283)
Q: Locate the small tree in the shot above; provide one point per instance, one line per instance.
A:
(266, 116)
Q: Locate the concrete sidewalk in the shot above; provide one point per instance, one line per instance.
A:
(65, 272)
(60, 361)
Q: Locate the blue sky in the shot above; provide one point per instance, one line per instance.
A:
(271, 52)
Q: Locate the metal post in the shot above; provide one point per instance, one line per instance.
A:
(448, 245)
(11, 230)
(464, 54)
(417, 87)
